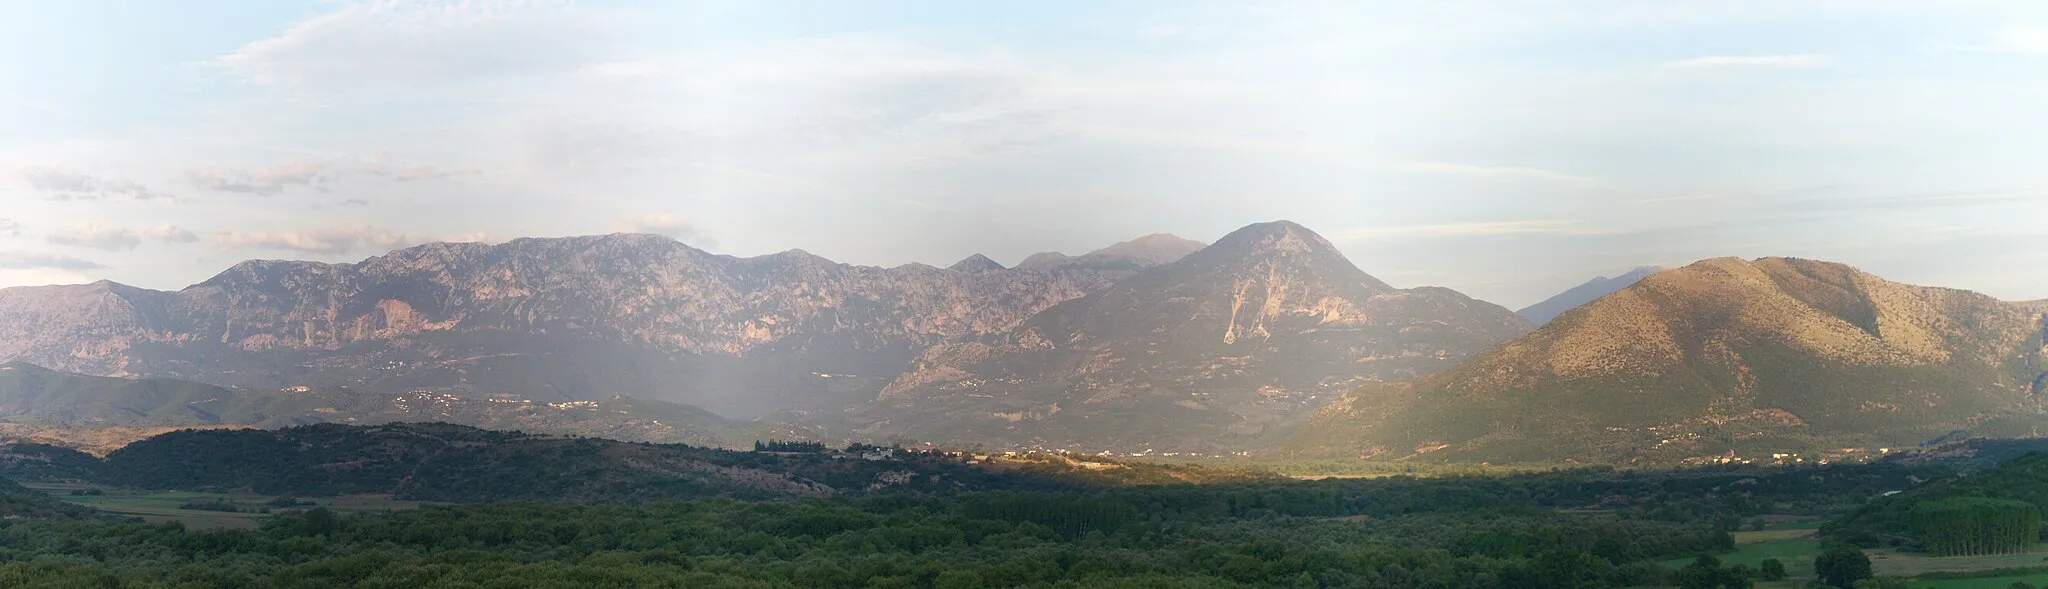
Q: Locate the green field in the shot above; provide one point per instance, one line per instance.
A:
(161, 506)
(2036, 579)
(1914, 564)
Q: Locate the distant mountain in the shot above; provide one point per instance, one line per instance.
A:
(1143, 252)
(1216, 351)
(1541, 313)
(1722, 357)
(568, 319)
(57, 401)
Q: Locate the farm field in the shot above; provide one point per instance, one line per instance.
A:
(162, 506)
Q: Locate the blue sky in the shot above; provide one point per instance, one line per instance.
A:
(1506, 149)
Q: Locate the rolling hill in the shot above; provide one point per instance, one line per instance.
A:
(70, 408)
(1722, 358)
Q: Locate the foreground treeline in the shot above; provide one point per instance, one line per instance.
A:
(1987, 512)
(976, 541)
(445, 462)
(1584, 529)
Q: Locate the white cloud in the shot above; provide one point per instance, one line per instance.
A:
(96, 236)
(328, 241)
(1802, 60)
(10, 227)
(261, 180)
(61, 184)
(22, 260)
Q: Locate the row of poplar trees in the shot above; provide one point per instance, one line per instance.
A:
(1965, 526)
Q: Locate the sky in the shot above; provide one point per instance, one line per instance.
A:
(1507, 149)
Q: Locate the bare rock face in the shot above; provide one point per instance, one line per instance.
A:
(570, 318)
(1218, 350)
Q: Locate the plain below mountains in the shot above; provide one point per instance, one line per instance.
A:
(1158, 341)
(1723, 358)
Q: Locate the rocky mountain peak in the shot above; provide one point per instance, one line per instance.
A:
(975, 263)
(1282, 248)
(1231, 341)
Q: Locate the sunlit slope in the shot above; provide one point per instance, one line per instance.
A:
(1723, 355)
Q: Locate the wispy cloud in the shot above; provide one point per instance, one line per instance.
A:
(61, 184)
(327, 241)
(21, 260)
(168, 234)
(410, 42)
(10, 227)
(1473, 229)
(1789, 61)
(261, 180)
(97, 237)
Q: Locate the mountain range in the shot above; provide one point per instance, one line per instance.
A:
(1271, 318)
(1267, 339)
(1724, 357)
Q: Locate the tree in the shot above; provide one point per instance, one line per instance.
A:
(1881, 583)
(1967, 526)
(957, 579)
(1771, 569)
(1705, 572)
(1842, 565)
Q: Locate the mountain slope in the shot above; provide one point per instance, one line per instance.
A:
(1215, 351)
(1724, 355)
(1541, 313)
